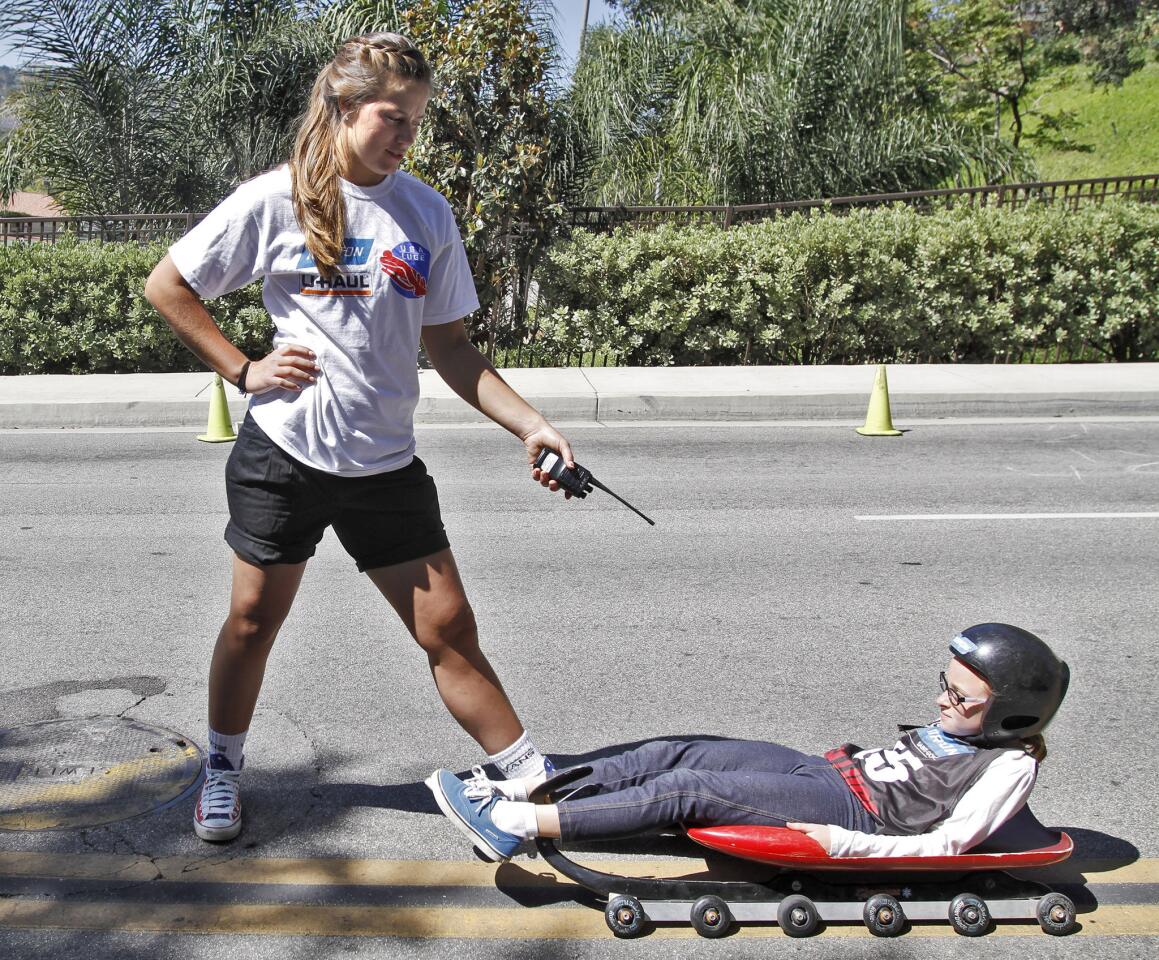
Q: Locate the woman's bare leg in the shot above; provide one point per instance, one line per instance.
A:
(259, 603)
(429, 597)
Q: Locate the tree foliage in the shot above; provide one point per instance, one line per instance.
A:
(151, 106)
(148, 106)
(742, 101)
(92, 111)
(983, 56)
(488, 141)
(1112, 36)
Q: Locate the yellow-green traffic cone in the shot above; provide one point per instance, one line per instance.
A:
(878, 422)
(219, 429)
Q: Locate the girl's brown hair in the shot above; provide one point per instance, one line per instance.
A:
(1035, 746)
(357, 75)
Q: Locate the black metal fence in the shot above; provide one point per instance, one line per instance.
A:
(1144, 188)
(146, 228)
(127, 228)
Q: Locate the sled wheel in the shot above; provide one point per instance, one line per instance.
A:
(798, 916)
(625, 917)
(883, 915)
(969, 915)
(711, 917)
(1056, 914)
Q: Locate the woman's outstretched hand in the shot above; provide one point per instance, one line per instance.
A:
(547, 436)
(289, 367)
(817, 831)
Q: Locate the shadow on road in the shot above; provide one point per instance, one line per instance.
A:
(416, 798)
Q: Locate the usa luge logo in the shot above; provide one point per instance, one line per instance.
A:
(408, 265)
(347, 283)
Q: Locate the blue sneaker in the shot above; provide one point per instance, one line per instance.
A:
(472, 815)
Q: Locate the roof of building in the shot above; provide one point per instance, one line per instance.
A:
(32, 204)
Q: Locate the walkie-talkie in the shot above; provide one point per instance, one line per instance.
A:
(578, 481)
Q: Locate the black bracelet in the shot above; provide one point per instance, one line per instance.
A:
(245, 368)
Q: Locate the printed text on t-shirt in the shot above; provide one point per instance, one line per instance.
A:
(355, 252)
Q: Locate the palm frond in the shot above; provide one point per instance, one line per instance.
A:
(760, 101)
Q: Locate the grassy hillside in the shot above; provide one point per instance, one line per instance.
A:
(1118, 127)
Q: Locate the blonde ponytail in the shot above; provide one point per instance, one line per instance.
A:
(357, 74)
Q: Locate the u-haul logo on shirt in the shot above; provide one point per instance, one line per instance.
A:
(340, 285)
(349, 283)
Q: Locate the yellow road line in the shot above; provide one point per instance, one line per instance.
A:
(1099, 871)
(448, 922)
(399, 873)
(337, 872)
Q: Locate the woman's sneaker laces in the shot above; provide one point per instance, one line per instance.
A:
(217, 815)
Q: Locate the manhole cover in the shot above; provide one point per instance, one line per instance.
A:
(81, 773)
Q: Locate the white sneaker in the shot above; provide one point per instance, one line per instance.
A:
(217, 815)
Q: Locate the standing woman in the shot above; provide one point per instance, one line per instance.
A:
(358, 260)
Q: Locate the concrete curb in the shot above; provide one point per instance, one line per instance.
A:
(918, 391)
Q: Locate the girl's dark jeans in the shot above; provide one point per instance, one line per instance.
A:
(664, 784)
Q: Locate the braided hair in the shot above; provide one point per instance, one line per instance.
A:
(359, 73)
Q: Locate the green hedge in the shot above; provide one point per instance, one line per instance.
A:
(880, 285)
(75, 307)
(874, 285)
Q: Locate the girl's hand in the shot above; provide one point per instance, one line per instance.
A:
(290, 367)
(547, 436)
(817, 831)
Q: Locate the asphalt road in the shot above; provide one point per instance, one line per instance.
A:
(772, 599)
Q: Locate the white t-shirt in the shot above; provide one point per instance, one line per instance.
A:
(403, 268)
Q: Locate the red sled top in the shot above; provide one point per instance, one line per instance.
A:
(1021, 843)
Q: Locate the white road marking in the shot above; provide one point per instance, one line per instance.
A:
(1073, 472)
(1010, 516)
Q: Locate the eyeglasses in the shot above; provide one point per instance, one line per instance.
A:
(956, 698)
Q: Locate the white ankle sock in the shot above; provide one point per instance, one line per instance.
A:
(521, 788)
(518, 819)
(521, 759)
(232, 746)
(512, 789)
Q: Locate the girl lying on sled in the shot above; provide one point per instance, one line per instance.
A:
(939, 790)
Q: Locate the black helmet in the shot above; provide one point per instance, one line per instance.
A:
(1028, 680)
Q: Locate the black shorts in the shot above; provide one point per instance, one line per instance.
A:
(279, 508)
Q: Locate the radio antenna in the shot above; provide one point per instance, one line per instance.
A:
(579, 480)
